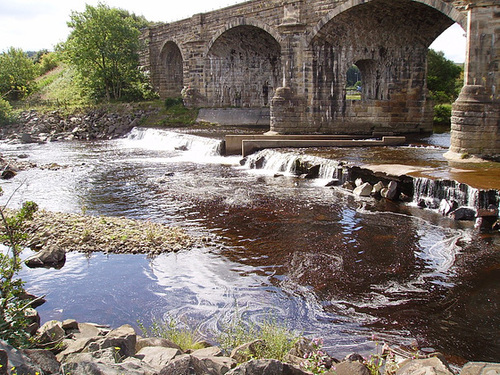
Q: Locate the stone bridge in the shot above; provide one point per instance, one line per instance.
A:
(292, 57)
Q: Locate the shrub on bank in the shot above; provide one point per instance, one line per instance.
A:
(6, 113)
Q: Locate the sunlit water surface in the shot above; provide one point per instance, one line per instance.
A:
(318, 259)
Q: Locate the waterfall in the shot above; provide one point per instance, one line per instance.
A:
(273, 161)
(164, 140)
(429, 193)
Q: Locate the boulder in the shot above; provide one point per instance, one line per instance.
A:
(212, 351)
(51, 333)
(44, 359)
(391, 191)
(155, 341)
(246, 351)
(123, 337)
(266, 367)
(351, 368)
(363, 190)
(157, 356)
(481, 368)
(49, 257)
(463, 213)
(186, 365)
(16, 358)
(377, 188)
(219, 365)
(433, 365)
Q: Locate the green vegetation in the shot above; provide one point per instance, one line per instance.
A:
(171, 329)
(17, 74)
(104, 49)
(13, 322)
(444, 81)
(6, 113)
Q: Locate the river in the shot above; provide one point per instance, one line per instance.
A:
(322, 261)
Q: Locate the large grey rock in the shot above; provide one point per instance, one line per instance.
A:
(218, 365)
(481, 368)
(17, 359)
(51, 256)
(155, 341)
(44, 359)
(128, 367)
(463, 213)
(123, 337)
(266, 367)
(51, 333)
(351, 368)
(211, 351)
(157, 356)
(391, 191)
(186, 365)
(427, 366)
(363, 190)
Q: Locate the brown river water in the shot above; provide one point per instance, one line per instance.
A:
(322, 261)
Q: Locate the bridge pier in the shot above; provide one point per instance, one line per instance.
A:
(475, 126)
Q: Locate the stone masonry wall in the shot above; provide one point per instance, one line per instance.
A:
(241, 55)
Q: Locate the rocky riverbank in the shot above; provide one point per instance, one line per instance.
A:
(90, 349)
(84, 124)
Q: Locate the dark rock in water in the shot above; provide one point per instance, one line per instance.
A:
(243, 161)
(7, 174)
(259, 163)
(463, 213)
(313, 172)
(334, 182)
(26, 138)
(485, 223)
(48, 257)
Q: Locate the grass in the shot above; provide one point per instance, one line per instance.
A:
(171, 329)
(278, 339)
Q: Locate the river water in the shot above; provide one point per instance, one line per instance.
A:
(318, 259)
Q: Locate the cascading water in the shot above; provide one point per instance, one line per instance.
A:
(272, 161)
(158, 139)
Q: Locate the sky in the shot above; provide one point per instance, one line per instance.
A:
(33, 25)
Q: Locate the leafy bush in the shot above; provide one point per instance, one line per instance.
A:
(12, 305)
(17, 74)
(442, 114)
(6, 114)
(48, 62)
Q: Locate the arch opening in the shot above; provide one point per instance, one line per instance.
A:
(172, 64)
(388, 41)
(242, 68)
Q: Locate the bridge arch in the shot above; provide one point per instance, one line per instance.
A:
(388, 40)
(242, 65)
(441, 6)
(172, 64)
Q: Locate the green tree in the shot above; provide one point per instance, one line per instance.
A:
(104, 47)
(442, 77)
(17, 74)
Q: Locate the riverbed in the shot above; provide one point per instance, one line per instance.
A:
(322, 261)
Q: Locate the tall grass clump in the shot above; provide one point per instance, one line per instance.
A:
(175, 331)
